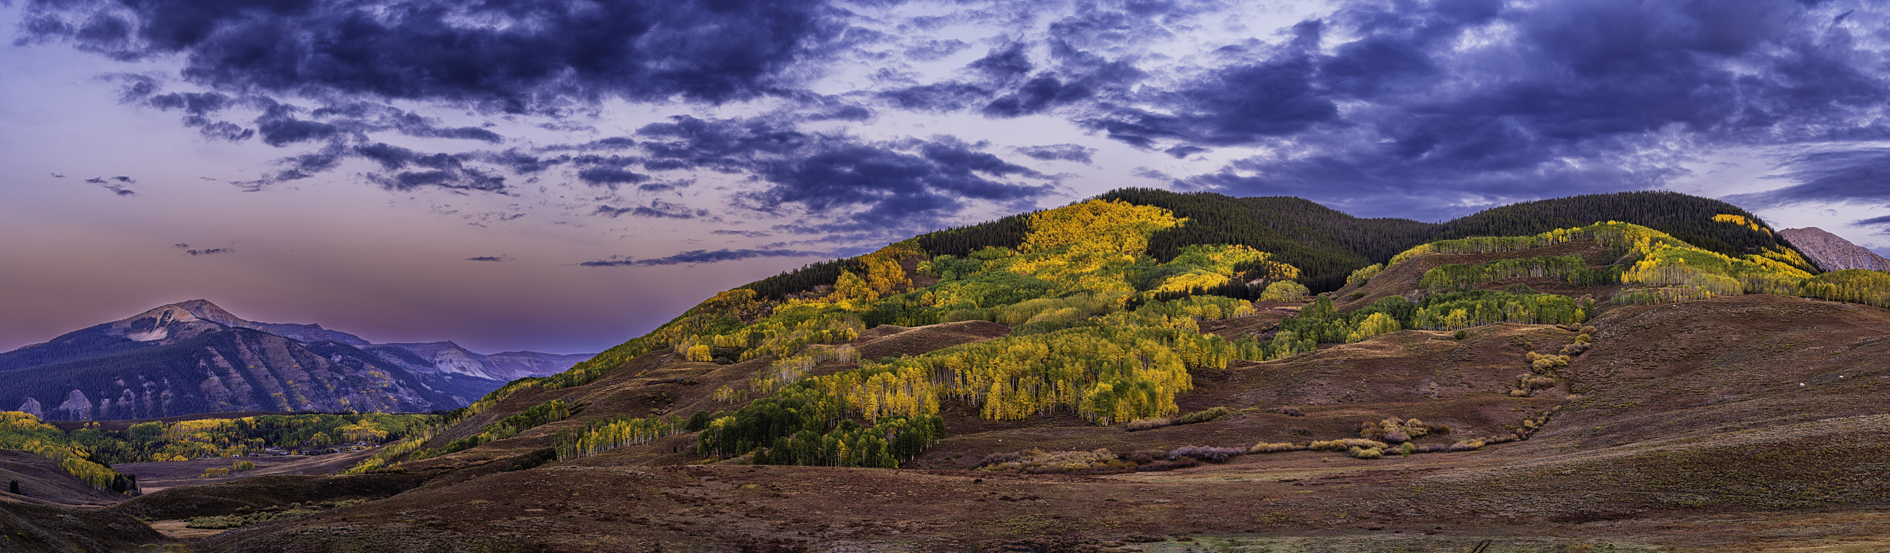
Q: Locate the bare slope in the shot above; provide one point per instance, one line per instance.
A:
(1717, 423)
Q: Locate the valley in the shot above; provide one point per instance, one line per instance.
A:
(1048, 384)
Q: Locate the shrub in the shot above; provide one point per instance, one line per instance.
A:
(1398, 431)
(1471, 444)
(1407, 449)
(1363, 275)
(1138, 425)
(1037, 461)
(1285, 290)
(1202, 416)
(1264, 447)
(1460, 335)
(1366, 453)
(1345, 444)
(1205, 453)
(1292, 412)
(234, 521)
(1190, 418)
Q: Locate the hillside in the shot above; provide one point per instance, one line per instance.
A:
(195, 357)
(1075, 390)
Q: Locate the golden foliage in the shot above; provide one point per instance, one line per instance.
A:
(1097, 226)
(1742, 221)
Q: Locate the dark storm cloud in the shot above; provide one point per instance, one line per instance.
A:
(1037, 95)
(612, 143)
(658, 209)
(726, 145)
(932, 49)
(490, 258)
(610, 177)
(888, 188)
(1856, 176)
(192, 103)
(115, 184)
(1003, 64)
(666, 186)
(899, 185)
(948, 96)
(1240, 104)
(701, 256)
(211, 251)
(432, 170)
(517, 56)
(742, 233)
(1569, 97)
(1063, 152)
(1882, 224)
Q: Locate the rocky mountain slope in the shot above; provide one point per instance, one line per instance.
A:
(196, 357)
(451, 359)
(1832, 252)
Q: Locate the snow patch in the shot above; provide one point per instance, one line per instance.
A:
(152, 335)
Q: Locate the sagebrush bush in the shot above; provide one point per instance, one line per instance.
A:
(1397, 431)
(1292, 411)
(1205, 453)
(1138, 425)
(1038, 461)
(1471, 444)
(1190, 418)
(1345, 444)
(1366, 453)
(1203, 416)
(1265, 447)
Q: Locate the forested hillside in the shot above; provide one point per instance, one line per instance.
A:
(1324, 243)
(1706, 223)
(1327, 245)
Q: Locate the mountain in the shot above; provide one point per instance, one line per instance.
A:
(1093, 378)
(1833, 253)
(196, 357)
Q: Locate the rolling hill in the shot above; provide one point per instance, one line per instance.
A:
(1103, 377)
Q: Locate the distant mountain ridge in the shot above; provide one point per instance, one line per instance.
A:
(1832, 252)
(195, 357)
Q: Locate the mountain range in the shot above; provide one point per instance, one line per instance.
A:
(195, 357)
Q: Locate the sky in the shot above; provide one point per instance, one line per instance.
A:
(561, 176)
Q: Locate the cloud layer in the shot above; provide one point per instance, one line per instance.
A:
(812, 118)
